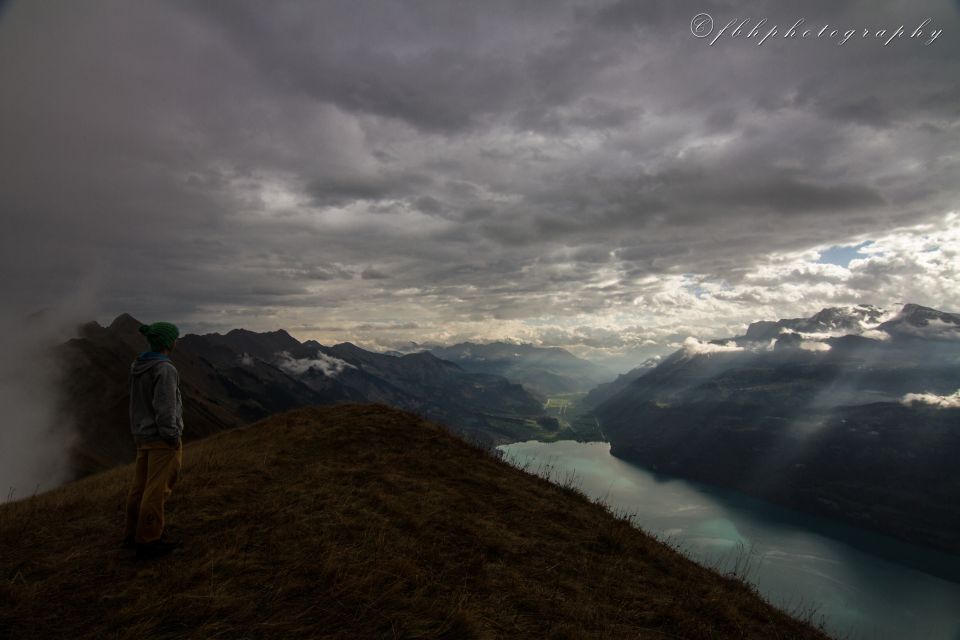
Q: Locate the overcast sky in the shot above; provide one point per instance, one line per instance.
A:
(586, 174)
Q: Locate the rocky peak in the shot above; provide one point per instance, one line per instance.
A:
(920, 316)
(125, 323)
(831, 320)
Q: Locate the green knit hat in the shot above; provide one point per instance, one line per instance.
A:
(160, 335)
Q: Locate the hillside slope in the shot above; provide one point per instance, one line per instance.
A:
(357, 522)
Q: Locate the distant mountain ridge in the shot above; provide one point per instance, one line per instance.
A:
(547, 370)
(242, 376)
(850, 413)
(830, 321)
(861, 320)
(603, 392)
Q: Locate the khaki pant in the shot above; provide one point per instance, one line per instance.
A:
(157, 470)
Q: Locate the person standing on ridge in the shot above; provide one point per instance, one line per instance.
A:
(156, 422)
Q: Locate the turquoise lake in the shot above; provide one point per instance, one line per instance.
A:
(861, 585)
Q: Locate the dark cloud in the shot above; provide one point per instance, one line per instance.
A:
(374, 274)
(342, 190)
(464, 168)
(783, 194)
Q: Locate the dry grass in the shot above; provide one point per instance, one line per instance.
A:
(357, 522)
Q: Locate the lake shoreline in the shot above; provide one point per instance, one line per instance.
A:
(878, 586)
(875, 540)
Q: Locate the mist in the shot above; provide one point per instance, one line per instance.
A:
(37, 431)
(328, 365)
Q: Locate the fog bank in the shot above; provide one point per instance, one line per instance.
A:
(36, 431)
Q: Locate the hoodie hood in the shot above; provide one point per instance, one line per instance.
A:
(147, 361)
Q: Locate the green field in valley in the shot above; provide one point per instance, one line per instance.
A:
(563, 418)
(572, 420)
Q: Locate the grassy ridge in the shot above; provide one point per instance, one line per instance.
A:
(357, 522)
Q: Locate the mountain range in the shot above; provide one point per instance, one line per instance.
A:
(242, 376)
(852, 413)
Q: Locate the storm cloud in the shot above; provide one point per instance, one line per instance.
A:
(584, 174)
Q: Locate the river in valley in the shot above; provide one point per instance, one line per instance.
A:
(861, 585)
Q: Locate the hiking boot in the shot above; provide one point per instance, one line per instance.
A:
(156, 549)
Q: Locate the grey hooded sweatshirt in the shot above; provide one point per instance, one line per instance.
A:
(156, 410)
